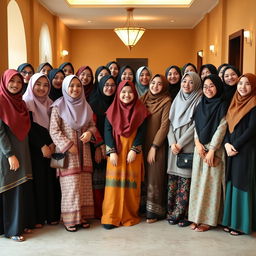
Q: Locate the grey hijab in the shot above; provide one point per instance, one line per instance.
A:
(183, 107)
(141, 89)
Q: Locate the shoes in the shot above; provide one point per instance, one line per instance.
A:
(109, 226)
(17, 238)
(28, 231)
(172, 221)
(184, 223)
(202, 228)
(227, 229)
(236, 233)
(151, 221)
(85, 224)
(71, 228)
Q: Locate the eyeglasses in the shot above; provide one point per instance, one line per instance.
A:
(109, 85)
(24, 72)
(208, 87)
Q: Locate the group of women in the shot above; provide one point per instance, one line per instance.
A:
(180, 147)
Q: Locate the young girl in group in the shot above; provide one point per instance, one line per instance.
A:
(208, 172)
(181, 140)
(15, 165)
(240, 144)
(44, 68)
(173, 76)
(126, 73)
(67, 68)
(26, 70)
(158, 102)
(143, 77)
(71, 129)
(123, 138)
(46, 186)
(114, 68)
(56, 77)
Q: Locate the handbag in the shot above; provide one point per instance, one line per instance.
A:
(185, 160)
(58, 160)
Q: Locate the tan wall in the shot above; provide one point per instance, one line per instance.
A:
(161, 47)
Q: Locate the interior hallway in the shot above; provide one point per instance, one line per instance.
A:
(143, 239)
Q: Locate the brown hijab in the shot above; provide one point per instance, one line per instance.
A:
(239, 105)
(155, 102)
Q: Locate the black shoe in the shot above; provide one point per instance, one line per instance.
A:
(184, 223)
(173, 221)
(109, 226)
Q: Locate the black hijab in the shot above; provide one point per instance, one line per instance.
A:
(122, 69)
(212, 69)
(229, 91)
(63, 65)
(100, 102)
(209, 112)
(40, 67)
(184, 67)
(173, 88)
(19, 69)
(54, 92)
(221, 66)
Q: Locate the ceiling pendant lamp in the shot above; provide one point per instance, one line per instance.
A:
(130, 34)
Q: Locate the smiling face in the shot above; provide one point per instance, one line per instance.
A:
(173, 76)
(85, 77)
(103, 72)
(209, 89)
(67, 70)
(45, 70)
(156, 85)
(205, 72)
(114, 69)
(221, 72)
(109, 87)
(27, 72)
(144, 77)
(127, 75)
(230, 77)
(57, 80)
(15, 85)
(75, 88)
(41, 87)
(126, 95)
(244, 87)
(187, 84)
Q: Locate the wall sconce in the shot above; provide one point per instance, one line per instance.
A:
(248, 37)
(212, 49)
(200, 53)
(64, 53)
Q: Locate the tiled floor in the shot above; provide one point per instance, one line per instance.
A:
(143, 239)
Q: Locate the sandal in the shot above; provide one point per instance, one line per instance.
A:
(227, 229)
(202, 228)
(85, 224)
(71, 228)
(236, 233)
(28, 231)
(151, 221)
(17, 238)
(193, 226)
(184, 223)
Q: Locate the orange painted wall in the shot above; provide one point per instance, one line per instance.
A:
(161, 47)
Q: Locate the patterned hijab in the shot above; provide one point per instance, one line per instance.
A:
(155, 102)
(141, 89)
(76, 112)
(39, 106)
(125, 118)
(240, 105)
(13, 111)
(184, 105)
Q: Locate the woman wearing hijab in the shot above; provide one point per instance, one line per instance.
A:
(188, 67)
(230, 79)
(240, 145)
(44, 68)
(46, 186)
(114, 68)
(85, 74)
(67, 68)
(206, 70)
(124, 128)
(15, 165)
(173, 76)
(181, 140)
(56, 77)
(126, 73)
(220, 70)
(105, 94)
(26, 70)
(71, 129)
(158, 101)
(208, 172)
(143, 77)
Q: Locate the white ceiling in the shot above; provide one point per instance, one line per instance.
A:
(149, 18)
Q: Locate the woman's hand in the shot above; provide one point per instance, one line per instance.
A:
(73, 150)
(86, 137)
(46, 151)
(231, 151)
(151, 155)
(103, 151)
(98, 156)
(200, 149)
(14, 163)
(131, 156)
(52, 147)
(176, 148)
(209, 157)
(113, 158)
